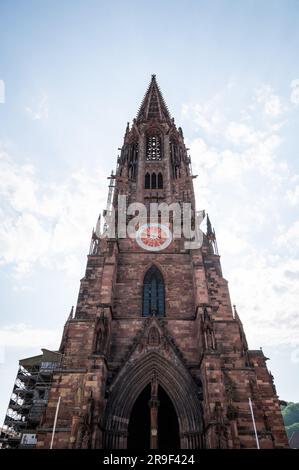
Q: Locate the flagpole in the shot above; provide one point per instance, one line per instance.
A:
(55, 422)
(253, 421)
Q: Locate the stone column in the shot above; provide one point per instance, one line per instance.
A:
(167, 166)
(154, 403)
(141, 166)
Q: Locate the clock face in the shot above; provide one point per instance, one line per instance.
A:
(153, 237)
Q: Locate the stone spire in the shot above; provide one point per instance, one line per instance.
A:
(153, 105)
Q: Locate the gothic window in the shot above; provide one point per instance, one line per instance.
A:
(154, 181)
(160, 181)
(153, 148)
(147, 181)
(153, 293)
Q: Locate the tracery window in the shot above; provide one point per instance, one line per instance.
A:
(153, 293)
(153, 148)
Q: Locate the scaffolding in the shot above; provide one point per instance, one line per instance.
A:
(107, 212)
(29, 399)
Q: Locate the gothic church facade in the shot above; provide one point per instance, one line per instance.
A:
(155, 355)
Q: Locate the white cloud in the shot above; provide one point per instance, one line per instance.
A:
(267, 297)
(46, 223)
(272, 103)
(23, 241)
(207, 116)
(289, 237)
(23, 336)
(273, 106)
(293, 195)
(239, 133)
(40, 111)
(295, 91)
(242, 183)
(233, 241)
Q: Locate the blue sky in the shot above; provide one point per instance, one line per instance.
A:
(75, 72)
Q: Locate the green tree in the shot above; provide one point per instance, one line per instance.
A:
(292, 428)
(290, 414)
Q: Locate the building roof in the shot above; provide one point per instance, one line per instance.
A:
(46, 356)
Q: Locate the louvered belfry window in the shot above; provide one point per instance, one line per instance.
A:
(147, 181)
(153, 148)
(153, 293)
(160, 181)
(153, 181)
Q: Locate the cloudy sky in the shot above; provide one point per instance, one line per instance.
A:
(72, 73)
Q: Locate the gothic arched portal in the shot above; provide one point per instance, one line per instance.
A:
(175, 381)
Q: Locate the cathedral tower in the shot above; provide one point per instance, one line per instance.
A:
(155, 356)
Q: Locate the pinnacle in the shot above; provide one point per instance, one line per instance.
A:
(153, 105)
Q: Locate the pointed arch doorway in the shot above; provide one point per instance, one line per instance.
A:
(153, 421)
(134, 377)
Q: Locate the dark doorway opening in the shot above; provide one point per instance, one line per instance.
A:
(140, 422)
(168, 426)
